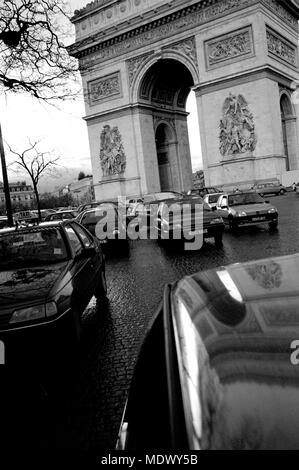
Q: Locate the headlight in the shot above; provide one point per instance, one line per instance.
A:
(241, 214)
(33, 313)
(272, 211)
(219, 220)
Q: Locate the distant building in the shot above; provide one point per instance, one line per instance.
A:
(21, 193)
(82, 190)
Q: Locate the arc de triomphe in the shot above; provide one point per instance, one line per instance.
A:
(139, 59)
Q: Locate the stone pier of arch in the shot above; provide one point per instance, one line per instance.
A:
(140, 59)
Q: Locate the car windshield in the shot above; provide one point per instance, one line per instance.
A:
(213, 198)
(21, 249)
(244, 199)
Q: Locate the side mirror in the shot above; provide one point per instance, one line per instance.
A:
(86, 253)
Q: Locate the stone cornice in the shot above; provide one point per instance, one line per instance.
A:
(184, 19)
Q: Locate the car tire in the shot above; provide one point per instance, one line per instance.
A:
(273, 226)
(282, 192)
(101, 289)
(218, 240)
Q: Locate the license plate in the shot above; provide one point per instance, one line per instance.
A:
(258, 219)
(198, 232)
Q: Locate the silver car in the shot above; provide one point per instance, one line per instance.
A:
(243, 209)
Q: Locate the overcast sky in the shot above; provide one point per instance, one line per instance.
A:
(63, 130)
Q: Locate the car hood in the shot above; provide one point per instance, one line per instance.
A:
(235, 327)
(253, 208)
(29, 284)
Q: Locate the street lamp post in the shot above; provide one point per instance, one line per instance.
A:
(5, 182)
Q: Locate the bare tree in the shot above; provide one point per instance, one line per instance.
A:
(36, 164)
(33, 56)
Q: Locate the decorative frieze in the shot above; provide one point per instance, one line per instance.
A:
(112, 154)
(155, 31)
(237, 129)
(170, 25)
(282, 12)
(104, 88)
(229, 47)
(281, 48)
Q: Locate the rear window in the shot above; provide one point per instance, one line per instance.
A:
(31, 248)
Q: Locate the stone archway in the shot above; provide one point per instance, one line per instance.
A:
(163, 90)
(138, 61)
(289, 132)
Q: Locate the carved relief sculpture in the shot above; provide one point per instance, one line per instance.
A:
(104, 87)
(230, 46)
(112, 155)
(237, 130)
(281, 48)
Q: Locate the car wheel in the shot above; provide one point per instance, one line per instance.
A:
(101, 290)
(273, 225)
(218, 240)
(282, 192)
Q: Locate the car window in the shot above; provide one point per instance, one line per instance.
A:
(213, 198)
(23, 248)
(85, 239)
(74, 240)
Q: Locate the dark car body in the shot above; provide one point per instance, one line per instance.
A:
(107, 221)
(46, 284)
(176, 225)
(218, 367)
(243, 209)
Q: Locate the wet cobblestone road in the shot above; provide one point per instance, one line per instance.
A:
(89, 419)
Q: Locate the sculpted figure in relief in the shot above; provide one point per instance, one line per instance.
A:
(112, 155)
(237, 129)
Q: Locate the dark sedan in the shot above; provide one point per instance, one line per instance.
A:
(185, 218)
(219, 368)
(107, 222)
(48, 274)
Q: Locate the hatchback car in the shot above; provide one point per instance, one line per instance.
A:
(245, 209)
(218, 369)
(270, 188)
(48, 274)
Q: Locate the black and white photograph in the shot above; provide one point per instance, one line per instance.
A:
(149, 228)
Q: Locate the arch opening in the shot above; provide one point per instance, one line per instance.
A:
(164, 90)
(289, 132)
